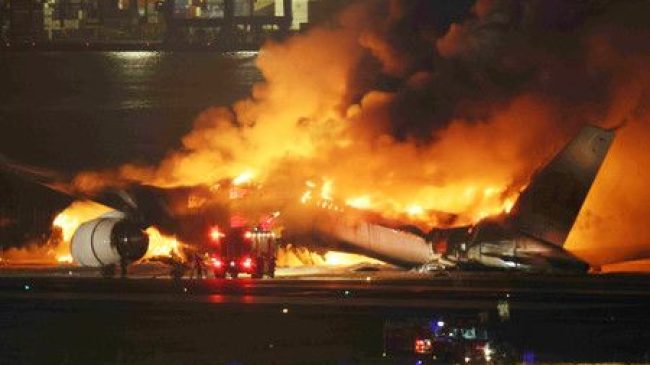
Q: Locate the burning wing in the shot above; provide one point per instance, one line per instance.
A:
(27, 205)
(31, 198)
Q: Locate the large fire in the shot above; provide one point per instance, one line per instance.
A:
(385, 113)
(82, 211)
(293, 256)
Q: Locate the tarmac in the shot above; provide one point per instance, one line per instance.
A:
(70, 315)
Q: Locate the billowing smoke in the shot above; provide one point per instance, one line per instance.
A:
(440, 124)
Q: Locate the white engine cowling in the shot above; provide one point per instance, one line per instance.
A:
(108, 241)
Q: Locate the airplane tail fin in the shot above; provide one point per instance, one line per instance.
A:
(549, 206)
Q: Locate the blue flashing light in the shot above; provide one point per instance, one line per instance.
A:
(528, 357)
(436, 325)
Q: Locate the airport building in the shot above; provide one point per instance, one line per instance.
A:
(230, 23)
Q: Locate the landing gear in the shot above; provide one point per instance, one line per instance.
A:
(123, 265)
(108, 271)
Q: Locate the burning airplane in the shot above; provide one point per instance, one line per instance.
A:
(530, 237)
(388, 134)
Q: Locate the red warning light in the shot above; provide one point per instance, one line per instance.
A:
(215, 234)
(247, 263)
(216, 263)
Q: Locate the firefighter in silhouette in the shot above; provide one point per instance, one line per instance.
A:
(197, 261)
(177, 266)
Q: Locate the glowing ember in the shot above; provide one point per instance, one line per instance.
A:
(245, 178)
(336, 258)
(361, 202)
(414, 210)
(64, 259)
(306, 197)
(326, 189)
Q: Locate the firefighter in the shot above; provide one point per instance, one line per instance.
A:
(198, 265)
(178, 267)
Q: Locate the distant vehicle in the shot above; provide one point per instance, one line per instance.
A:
(242, 250)
(435, 341)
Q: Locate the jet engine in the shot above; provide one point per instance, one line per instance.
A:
(108, 241)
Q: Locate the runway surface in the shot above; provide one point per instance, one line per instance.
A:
(65, 315)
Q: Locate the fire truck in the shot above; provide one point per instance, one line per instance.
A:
(242, 250)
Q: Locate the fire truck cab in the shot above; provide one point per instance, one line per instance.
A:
(243, 250)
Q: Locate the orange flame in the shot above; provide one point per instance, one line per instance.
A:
(70, 219)
(295, 256)
(162, 245)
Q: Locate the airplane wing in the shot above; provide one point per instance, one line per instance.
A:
(27, 205)
(30, 199)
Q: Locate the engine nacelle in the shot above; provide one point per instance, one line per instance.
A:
(108, 241)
